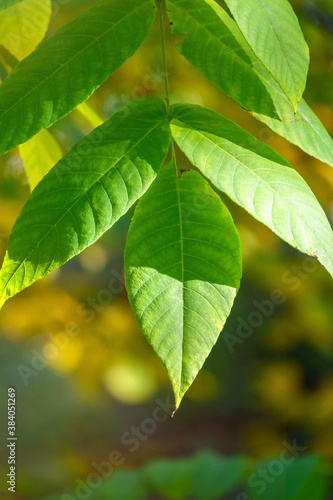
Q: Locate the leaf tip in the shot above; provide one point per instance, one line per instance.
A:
(178, 398)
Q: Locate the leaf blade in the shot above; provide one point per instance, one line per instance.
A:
(69, 66)
(218, 54)
(267, 25)
(255, 177)
(39, 155)
(303, 129)
(173, 272)
(85, 193)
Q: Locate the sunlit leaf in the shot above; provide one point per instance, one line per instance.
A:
(39, 155)
(213, 49)
(255, 177)
(182, 271)
(273, 32)
(23, 26)
(69, 66)
(303, 129)
(85, 193)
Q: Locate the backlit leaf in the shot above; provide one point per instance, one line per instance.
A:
(213, 49)
(86, 193)
(273, 32)
(65, 70)
(303, 129)
(182, 271)
(255, 177)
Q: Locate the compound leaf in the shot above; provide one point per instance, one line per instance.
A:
(182, 271)
(273, 32)
(21, 29)
(86, 193)
(215, 51)
(69, 66)
(42, 151)
(255, 177)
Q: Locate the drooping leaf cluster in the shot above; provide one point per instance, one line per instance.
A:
(182, 260)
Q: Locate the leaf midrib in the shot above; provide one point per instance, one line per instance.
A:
(76, 201)
(77, 54)
(259, 178)
(182, 278)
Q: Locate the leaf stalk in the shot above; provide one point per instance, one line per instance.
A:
(161, 12)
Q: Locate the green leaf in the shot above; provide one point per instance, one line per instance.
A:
(69, 66)
(255, 177)
(182, 271)
(170, 478)
(39, 155)
(273, 32)
(5, 4)
(215, 51)
(86, 193)
(20, 30)
(124, 485)
(214, 475)
(303, 129)
(289, 479)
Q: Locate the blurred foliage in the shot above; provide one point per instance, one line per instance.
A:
(209, 476)
(86, 379)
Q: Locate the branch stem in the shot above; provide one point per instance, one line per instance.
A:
(161, 12)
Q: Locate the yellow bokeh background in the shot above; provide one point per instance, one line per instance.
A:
(83, 370)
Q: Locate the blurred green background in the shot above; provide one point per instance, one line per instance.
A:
(83, 371)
